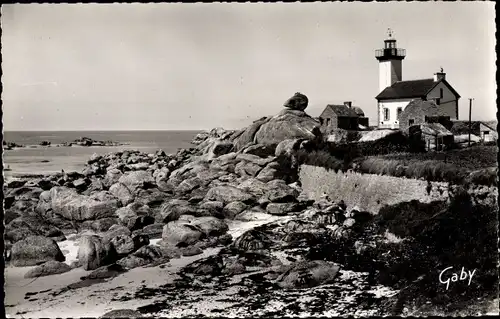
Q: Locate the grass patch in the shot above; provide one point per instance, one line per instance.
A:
(430, 170)
(470, 159)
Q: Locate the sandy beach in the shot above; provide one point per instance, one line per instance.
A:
(99, 298)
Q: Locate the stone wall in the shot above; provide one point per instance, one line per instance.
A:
(368, 192)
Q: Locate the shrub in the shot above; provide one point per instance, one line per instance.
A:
(404, 219)
(487, 176)
(381, 166)
(288, 169)
(319, 158)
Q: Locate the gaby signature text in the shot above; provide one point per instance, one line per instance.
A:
(447, 275)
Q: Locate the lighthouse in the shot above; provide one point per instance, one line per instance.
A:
(390, 62)
(395, 94)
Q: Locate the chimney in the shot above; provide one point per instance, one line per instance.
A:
(348, 104)
(439, 75)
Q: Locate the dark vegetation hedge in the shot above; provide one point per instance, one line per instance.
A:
(393, 143)
(435, 236)
(348, 152)
(459, 235)
(488, 176)
(319, 158)
(399, 156)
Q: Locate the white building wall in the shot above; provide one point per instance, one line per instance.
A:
(393, 106)
(448, 102)
(389, 72)
(490, 136)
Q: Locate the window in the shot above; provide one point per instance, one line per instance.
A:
(327, 121)
(486, 132)
(438, 101)
(386, 114)
(400, 110)
(440, 93)
(411, 122)
(321, 120)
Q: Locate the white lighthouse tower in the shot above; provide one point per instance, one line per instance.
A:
(390, 62)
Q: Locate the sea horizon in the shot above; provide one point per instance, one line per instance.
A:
(50, 159)
(128, 130)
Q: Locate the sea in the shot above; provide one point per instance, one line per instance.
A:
(34, 159)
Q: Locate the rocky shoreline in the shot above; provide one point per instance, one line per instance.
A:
(233, 206)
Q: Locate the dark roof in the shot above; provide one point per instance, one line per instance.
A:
(429, 108)
(407, 89)
(491, 124)
(412, 89)
(435, 129)
(358, 111)
(342, 110)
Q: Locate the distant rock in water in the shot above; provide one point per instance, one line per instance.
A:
(297, 102)
(86, 141)
(11, 145)
(45, 143)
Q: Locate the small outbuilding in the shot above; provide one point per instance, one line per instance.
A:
(434, 135)
(486, 132)
(344, 116)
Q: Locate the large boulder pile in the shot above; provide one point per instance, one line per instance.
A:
(131, 197)
(263, 135)
(217, 132)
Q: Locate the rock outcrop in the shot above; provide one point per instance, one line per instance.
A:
(94, 252)
(290, 123)
(35, 250)
(122, 313)
(297, 102)
(67, 203)
(308, 274)
(47, 269)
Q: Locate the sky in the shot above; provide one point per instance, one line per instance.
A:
(197, 66)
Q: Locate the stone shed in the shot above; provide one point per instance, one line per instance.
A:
(418, 112)
(435, 135)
